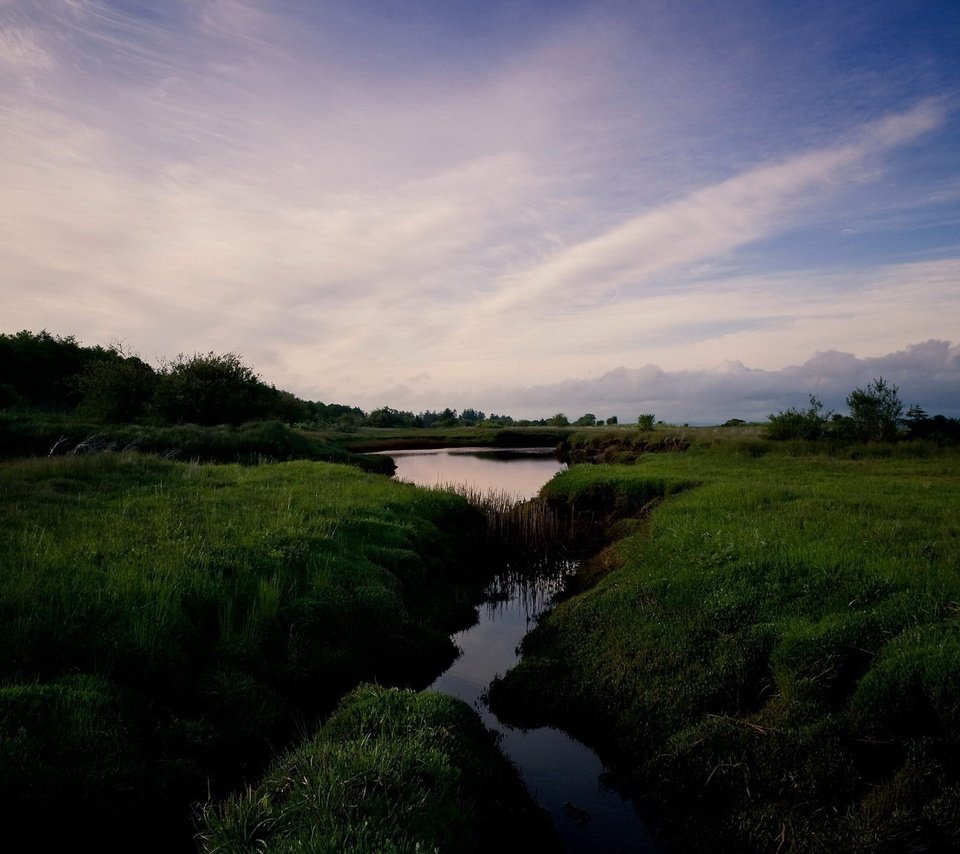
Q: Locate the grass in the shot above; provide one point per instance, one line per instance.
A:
(390, 771)
(366, 439)
(774, 653)
(165, 626)
(37, 434)
(516, 530)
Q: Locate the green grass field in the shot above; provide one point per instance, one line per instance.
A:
(771, 654)
(768, 649)
(166, 627)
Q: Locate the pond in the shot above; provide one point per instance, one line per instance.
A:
(564, 776)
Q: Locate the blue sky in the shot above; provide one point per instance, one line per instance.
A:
(704, 210)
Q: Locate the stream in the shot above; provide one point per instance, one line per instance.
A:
(564, 776)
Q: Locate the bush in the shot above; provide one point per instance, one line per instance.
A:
(211, 389)
(791, 423)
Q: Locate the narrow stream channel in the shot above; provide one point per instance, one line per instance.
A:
(564, 776)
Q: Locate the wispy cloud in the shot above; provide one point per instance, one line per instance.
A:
(352, 202)
(707, 223)
(22, 52)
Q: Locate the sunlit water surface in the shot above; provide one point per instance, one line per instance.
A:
(518, 473)
(564, 776)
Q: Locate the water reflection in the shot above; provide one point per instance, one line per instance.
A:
(519, 473)
(531, 589)
(563, 775)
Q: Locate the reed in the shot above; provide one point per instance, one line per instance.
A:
(531, 527)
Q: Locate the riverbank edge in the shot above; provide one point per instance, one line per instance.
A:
(389, 770)
(686, 801)
(91, 736)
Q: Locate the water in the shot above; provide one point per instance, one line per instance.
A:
(519, 473)
(564, 776)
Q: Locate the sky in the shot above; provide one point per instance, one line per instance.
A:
(702, 210)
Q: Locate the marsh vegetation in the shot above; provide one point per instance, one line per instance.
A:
(764, 645)
(167, 627)
(770, 658)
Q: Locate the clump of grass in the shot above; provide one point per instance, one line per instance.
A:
(389, 771)
(521, 527)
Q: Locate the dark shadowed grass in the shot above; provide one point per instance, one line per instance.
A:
(775, 652)
(393, 438)
(390, 771)
(164, 626)
(30, 434)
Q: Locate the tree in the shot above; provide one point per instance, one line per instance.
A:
(40, 370)
(559, 420)
(916, 414)
(118, 389)
(646, 421)
(285, 406)
(448, 418)
(587, 420)
(799, 424)
(612, 420)
(386, 416)
(875, 410)
(211, 389)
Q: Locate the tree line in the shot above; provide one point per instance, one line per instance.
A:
(876, 414)
(50, 373)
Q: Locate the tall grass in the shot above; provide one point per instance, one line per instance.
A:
(209, 608)
(775, 649)
(522, 527)
(389, 771)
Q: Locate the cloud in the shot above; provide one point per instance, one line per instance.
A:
(927, 373)
(22, 52)
(707, 223)
(353, 201)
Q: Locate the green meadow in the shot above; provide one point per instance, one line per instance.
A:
(768, 649)
(765, 646)
(167, 628)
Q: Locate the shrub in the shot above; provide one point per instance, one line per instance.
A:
(792, 423)
(211, 389)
